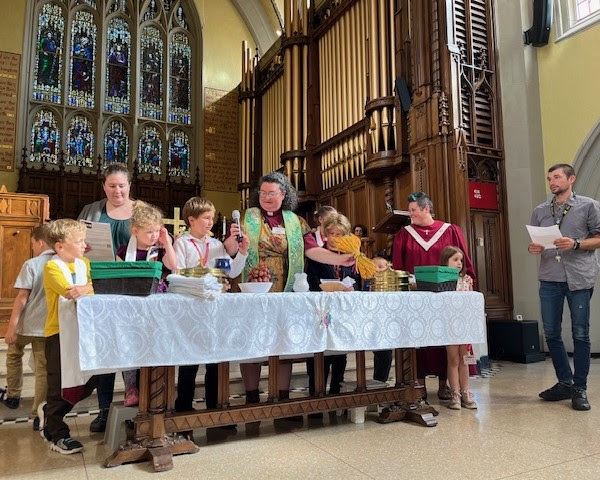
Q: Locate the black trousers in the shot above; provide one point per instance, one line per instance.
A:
(105, 390)
(186, 386)
(382, 362)
(334, 363)
(57, 407)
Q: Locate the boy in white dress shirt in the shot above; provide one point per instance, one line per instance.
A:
(193, 249)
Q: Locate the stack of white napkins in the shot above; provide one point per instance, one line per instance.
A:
(206, 286)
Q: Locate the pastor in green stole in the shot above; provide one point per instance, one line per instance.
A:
(295, 243)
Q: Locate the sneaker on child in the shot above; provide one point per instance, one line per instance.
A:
(41, 416)
(66, 446)
(8, 401)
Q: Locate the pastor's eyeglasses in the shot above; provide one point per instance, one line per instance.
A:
(268, 194)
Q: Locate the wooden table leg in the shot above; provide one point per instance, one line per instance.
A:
(319, 374)
(223, 391)
(415, 410)
(157, 386)
(361, 376)
(273, 379)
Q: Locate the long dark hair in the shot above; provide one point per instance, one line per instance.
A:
(448, 253)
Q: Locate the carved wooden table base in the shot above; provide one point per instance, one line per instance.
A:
(156, 436)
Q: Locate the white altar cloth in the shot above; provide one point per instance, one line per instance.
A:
(120, 332)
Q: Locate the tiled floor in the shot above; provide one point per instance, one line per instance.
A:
(513, 435)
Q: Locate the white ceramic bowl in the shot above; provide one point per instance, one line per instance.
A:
(255, 287)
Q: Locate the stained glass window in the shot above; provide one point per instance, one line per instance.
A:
(89, 3)
(151, 95)
(44, 138)
(181, 64)
(150, 151)
(119, 5)
(91, 61)
(80, 142)
(180, 18)
(179, 154)
(116, 143)
(152, 11)
(83, 66)
(47, 86)
(118, 51)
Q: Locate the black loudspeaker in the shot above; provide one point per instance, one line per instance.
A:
(403, 94)
(539, 32)
(516, 341)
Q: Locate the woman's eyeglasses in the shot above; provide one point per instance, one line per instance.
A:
(413, 197)
(268, 194)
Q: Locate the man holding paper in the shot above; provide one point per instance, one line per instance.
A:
(568, 270)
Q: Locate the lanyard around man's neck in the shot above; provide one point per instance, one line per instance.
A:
(565, 209)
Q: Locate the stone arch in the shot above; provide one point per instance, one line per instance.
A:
(587, 165)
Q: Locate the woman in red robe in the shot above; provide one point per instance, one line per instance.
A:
(421, 244)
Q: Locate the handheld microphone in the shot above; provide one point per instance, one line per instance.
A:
(235, 216)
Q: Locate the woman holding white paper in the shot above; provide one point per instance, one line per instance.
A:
(116, 210)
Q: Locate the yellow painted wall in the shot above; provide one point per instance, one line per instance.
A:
(223, 31)
(569, 73)
(12, 26)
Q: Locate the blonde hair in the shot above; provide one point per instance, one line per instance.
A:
(62, 229)
(195, 207)
(143, 215)
(340, 221)
(378, 258)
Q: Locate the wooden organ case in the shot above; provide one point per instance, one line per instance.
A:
(362, 102)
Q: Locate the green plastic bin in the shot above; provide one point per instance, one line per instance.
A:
(126, 278)
(436, 278)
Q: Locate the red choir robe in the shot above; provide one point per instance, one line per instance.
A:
(407, 254)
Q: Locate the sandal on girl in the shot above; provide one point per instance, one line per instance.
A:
(467, 400)
(455, 401)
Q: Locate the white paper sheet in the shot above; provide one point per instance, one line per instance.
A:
(99, 241)
(544, 235)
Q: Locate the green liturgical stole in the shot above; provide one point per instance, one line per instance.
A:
(295, 241)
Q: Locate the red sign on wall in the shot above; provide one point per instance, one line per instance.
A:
(483, 195)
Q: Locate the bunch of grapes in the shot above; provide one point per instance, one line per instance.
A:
(260, 273)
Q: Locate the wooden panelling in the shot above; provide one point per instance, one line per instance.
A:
(69, 192)
(487, 241)
(19, 215)
(365, 148)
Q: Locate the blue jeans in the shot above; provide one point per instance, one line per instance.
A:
(552, 299)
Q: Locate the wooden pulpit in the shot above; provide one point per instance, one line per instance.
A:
(392, 222)
(20, 213)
